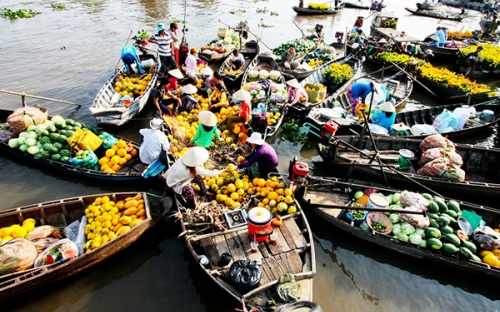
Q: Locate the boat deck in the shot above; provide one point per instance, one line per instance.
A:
(319, 198)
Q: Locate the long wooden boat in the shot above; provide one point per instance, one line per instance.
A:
(478, 6)
(328, 205)
(400, 86)
(293, 253)
(300, 74)
(356, 5)
(434, 14)
(317, 77)
(384, 25)
(107, 108)
(129, 172)
(250, 51)
(450, 54)
(307, 11)
(481, 166)
(262, 62)
(61, 213)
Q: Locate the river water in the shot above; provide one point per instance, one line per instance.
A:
(68, 55)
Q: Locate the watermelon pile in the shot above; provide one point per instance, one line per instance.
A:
(48, 140)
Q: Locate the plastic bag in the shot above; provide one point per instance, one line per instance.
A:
(84, 139)
(415, 220)
(486, 241)
(61, 250)
(44, 231)
(88, 162)
(436, 140)
(108, 140)
(444, 120)
(415, 200)
(43, 243)
(288, 290)
(24, 117)
(431, 154)
(16, 255)
(444, 168)
(244, 275)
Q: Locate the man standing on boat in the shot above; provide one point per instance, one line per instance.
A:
(263, 154)
(165, 48)
(129, 57)
(173, 33)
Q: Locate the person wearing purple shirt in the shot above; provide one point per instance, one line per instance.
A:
(263, 154)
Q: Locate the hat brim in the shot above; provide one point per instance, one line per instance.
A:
(207, 118)
(400, 128)
(242, 95)
(195, 156)
(189, 89)
(294, 83)
(206, 71)
(255, 141)
(387, 107)
(176, 73)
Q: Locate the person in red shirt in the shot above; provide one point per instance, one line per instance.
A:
(244, 115)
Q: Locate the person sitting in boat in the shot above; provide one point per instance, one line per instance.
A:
(206, 130)
(215, 79)
(491, 29)
(236, 60)
(188, 170)
(154, 141)
(174, 76)
(384, 115)
(161, 103)
(263, 154)
(378, 6)
(359, 37)
(206, 75)
(218, 99)
(296, 94)
(437, 38)
(191, 65)
(358, 91)
(129, 57)
(245, 114)
(188, 102)
(288, 57)
(473, 60)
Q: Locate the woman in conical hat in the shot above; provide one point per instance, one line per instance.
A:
(206, 130)
(296, 93)
(384, 115)
(245, 113)
(188, 170)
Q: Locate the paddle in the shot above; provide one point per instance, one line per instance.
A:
(116, 67)
(24, 95)
(303, 34)
(415, 79)
(423, 212)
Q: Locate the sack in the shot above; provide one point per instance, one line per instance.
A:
(83, 139)
(88, 162)
(436, 140)
(244, 275)
(108, 140)
(16, 255)
(24, 117)
(61, 250)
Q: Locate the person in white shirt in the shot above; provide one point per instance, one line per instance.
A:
(153, 143)
(191, 65)
(236, 60)
(187, 170)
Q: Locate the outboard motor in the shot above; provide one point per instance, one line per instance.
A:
(297, 169)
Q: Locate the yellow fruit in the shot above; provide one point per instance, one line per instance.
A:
(234, 195)
(125, 220)
(133, 152)
(282, 207)
(238, 184)
(231, 187)
(231, 167)
(229, 140)
(236, 205)
(110, 152)
(492, 260)
(130, 211)
(135, 223)
(240, 159)
(122, 230)
(272, 195)
(291, 210)
(28, 226)
(288, 200)
(272, 203)
(229, 202)
(131, 203)
(103, 161)
(121, 152)
(121, 143)
(19, 232)
(288, 192)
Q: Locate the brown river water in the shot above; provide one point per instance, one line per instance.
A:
(68, 55)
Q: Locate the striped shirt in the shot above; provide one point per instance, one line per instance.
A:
(164, 48)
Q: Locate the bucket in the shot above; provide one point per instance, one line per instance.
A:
(487, 115)
(259, 224)
(322, 95)
(377, 201)
(147, 63)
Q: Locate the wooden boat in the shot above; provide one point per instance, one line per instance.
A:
(433, 14)
(356, 5)
(317, 77)
(107, 108)
(328, 205)
(473, 5)
(293, 253)
(61, 213)
(481, 166)
(262, 62)
(250, 51)
(300, 74)
(307, 11)
(130, 172)
(400, 86)
(384, 25)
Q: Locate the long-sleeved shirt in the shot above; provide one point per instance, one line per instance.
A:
(380, 118)
(203, 138)
(129, 55)
(190, 65)
(266, 158)
(360, 89)
(153, 143)
(179, 175)
(296, 93)
(218, 97)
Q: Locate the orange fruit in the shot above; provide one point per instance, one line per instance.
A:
(128, 157)
(133, 152)
(103, 161)
(121, 152)
(234, 195)
(110, 152)
(122, 161)
(121, 143)
(116, 167)
(272, 195)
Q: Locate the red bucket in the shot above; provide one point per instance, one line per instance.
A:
(259, 224)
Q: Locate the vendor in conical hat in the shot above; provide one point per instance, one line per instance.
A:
(188, 170)
(296, 93)
(187, 99)
(206, 130)
(384, 115)
(263, 155)
(245, 113)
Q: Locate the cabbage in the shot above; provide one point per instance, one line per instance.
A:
(23, 148)
(420, 232)
(32, 135)
(42, 127)
(396, 197)
(33, 150)
(274, 74)
(24, 134)
(396, 229)
(407, 228)
(57, 118)
(263, 74)
(21, 140)
(423, 243)
(394, 217)
(415, 239)
(14, 143)
(402, 237)
(32, 128)
(253, 73)
(31, 142)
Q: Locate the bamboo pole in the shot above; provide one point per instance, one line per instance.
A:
(24, 95)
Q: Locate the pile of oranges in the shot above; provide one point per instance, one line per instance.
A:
(117, 156)
(131, 86)
(17, 230)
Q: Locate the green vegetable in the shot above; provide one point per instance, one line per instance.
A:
(446, 229)
(358, 195)
(452, 238)
(450, 248)
(432, 232)
(14, 143)
(433, 207)
(434, 243)
(415, 239)
(33, 150)
(470, 246)
(407, 228)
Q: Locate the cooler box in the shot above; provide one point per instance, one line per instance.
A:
(259, 121)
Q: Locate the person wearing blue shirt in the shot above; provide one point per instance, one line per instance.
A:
(384, 115)
(129, 57)
(441, 37)
(358, 92)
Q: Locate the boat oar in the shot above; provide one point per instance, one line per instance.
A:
(423, 212)
(24, 95)
(415, 80)
(260, 40)
(130, 35)
(303, 34)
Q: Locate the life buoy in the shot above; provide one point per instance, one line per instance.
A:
(290, 307)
